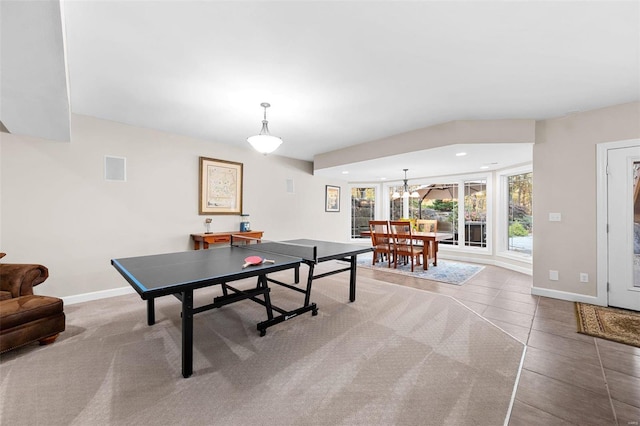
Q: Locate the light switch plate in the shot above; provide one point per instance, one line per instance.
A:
(555, 217)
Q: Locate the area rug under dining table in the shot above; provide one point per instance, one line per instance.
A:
(447, 271)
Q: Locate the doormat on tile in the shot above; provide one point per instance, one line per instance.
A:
(618, 325)
(447, 271)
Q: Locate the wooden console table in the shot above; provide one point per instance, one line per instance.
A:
(220, 237)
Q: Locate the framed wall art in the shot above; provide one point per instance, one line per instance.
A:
(332, 198)
(220, 186)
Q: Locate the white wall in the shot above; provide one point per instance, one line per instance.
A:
(58, 210)
(564, 181)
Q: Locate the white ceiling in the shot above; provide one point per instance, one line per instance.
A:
(442, 161)
(339, 73)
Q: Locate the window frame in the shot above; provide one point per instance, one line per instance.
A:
(459, 180)
(502, 219)
(377, 209)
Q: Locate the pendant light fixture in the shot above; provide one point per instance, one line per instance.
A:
(264, 142)
(405, 192)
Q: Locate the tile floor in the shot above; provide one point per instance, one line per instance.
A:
(567, 378)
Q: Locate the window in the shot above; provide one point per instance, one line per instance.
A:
(398, 208)
(475, 213)
(396, 205)
(458, 205)
(520, 219)
(362, 209)
(440, 202)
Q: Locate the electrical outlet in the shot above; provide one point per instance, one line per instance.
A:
(584, 277)
(553, 275)
(555, 217)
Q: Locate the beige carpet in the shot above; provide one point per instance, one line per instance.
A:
(618, 325)
(395, 356)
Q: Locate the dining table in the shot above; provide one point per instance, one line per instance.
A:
(428, 240)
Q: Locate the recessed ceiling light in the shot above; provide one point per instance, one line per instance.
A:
(345, 172)
(460, 154)
(484, 167)
(383, 178)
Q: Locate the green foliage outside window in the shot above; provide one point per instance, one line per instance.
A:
(444, 206)
(516, 229)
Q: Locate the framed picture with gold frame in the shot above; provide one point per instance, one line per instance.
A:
(220, 186)
(332, 198)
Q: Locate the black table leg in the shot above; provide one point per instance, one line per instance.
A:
(187, 333)
(262, 279)
(151, 311)
(307, 296)
(352, 279)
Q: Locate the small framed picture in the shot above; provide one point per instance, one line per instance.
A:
(332, 198)
(220, 186)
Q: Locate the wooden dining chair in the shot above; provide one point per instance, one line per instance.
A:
(427, 225)
(403, 244)
(381, 241)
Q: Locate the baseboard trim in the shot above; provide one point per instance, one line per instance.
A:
(103, 294)
(563, 295)
(97, 295)
(500, 264)
(521, 269)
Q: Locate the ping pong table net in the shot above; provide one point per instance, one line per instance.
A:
(306, 252)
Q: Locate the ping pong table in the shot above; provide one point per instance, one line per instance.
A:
(179, 274)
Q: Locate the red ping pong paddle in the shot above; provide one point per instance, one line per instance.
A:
(255, 260)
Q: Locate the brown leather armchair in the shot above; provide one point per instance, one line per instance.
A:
(25, 317)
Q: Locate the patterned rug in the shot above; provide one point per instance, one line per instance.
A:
(447, 271)
(618, 325)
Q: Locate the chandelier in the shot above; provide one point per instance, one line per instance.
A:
(405, 192)
(264, 142)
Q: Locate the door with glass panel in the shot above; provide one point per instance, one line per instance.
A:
(623, 219)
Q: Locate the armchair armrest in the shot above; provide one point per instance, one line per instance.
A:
(19, 279)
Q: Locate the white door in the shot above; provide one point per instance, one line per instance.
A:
(623, 219)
